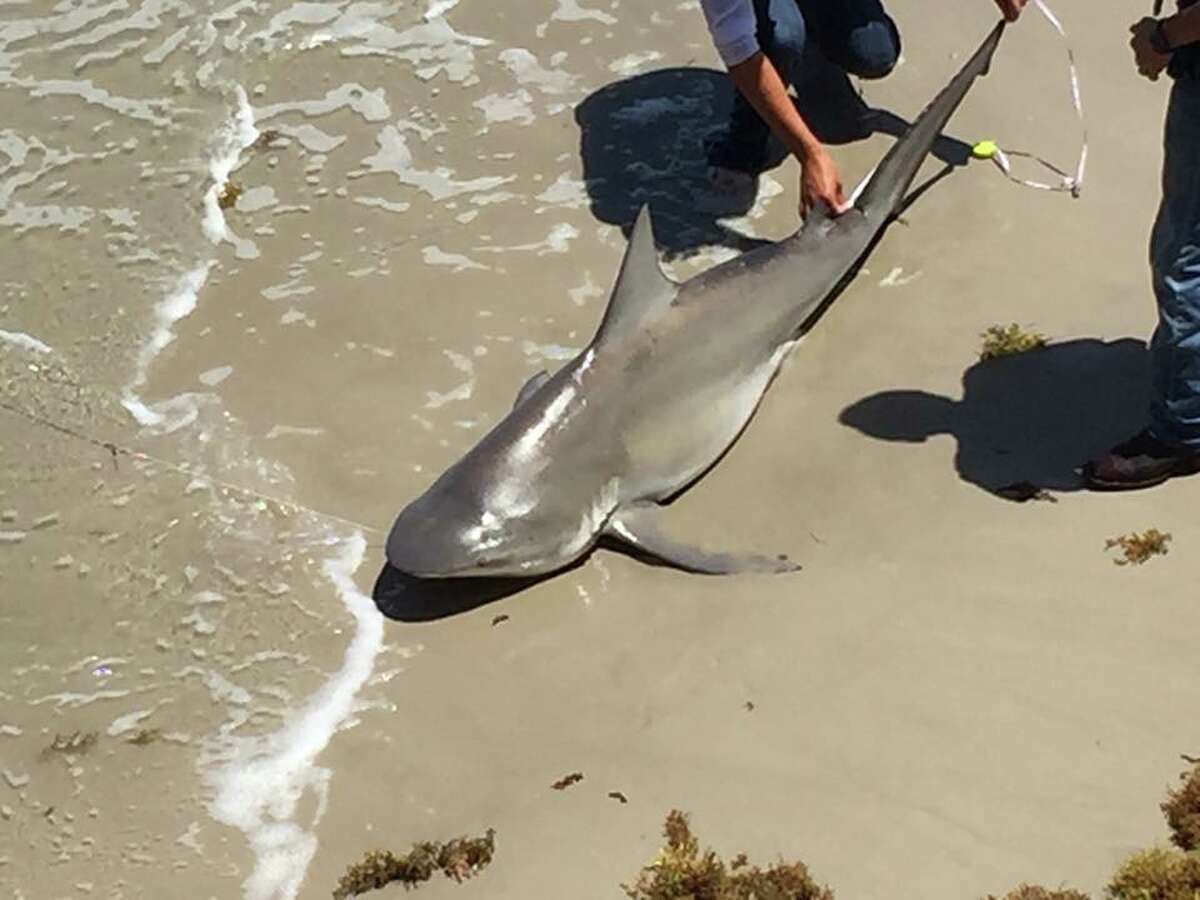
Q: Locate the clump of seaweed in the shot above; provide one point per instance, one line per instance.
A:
(1001, 341)
(460, 859)
(1037, 892)
(1157, 874)
(567, 780)
(75, 744)
(265, 139)
(1138, 548)
(1182, 809)
(682, 872)
(229, 194)
(144, 736)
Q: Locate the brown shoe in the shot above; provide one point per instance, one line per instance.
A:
(1140, 462)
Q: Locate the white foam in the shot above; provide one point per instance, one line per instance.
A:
(580, 295)
(633, 63)
(566, 191)
(571, 11)
(528, 71)
(433, 47)
(551, 352)
(126, 723)
(175, 306)
(238, 134)
(178, 304)
(514, 107)
(395, 206)
(395, 157)
(439, 8)
(371, 105)
(897, 278)
(645, 111)
(464, 391)
(556, 242)
(435, 256)
(260, 789)
(24, 341)
(213, 377)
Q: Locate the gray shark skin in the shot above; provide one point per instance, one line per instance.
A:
(672, 377)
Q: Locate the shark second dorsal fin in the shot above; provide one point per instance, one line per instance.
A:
(642, 290)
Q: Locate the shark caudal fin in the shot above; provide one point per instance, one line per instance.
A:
(895, 173)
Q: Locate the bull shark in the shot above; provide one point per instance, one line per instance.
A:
(671, 379)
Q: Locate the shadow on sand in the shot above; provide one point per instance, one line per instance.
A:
(1034, 417)
(642, 140)
(406, 598)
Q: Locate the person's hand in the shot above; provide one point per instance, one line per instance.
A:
(1149, 61)
(1011, 9)
(820, 183)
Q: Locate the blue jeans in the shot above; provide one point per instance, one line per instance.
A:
(856, 35)
(1175, 263)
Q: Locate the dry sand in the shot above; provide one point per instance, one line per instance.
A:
(957, 693)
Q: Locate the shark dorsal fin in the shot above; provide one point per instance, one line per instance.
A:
(642, 290)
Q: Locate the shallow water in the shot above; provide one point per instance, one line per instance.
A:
(242, 239)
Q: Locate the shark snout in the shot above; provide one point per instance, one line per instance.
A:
(427, 542)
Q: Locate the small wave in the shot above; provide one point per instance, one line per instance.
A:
(259, 789)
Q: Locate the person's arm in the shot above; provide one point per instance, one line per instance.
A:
(1151, 37)
(759, 82)
(1182, 28)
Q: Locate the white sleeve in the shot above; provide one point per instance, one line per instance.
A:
(733, 28)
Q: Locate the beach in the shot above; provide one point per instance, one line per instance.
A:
(270, 268)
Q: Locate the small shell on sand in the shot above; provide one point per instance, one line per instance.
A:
(45, 521)
(64, 562)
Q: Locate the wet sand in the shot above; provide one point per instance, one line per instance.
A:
(956, 694)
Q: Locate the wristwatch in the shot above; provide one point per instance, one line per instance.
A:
(1159, 41)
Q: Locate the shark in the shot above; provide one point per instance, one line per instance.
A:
(670, 381)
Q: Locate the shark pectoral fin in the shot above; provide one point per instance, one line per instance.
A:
(530, 387)
(640, 528)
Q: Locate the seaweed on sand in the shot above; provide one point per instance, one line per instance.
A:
(567, 780)
(1001, 341)
(75, 744)
(1037, 892)
(1157, 874)
(144, 736)
(682, 872)
(1182, 809)
(1138, 548)
(460, 858)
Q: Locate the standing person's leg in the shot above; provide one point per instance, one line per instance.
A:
(857, 35)
(781, 36)
(1175, 261)
(1171, 445)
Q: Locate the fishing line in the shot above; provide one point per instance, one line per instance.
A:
(1003, 158)
(117, 450)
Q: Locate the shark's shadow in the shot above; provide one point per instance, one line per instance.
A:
(406, 598)
(1033, 417)
(642, 140)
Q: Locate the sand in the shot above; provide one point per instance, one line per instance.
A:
(957, 693)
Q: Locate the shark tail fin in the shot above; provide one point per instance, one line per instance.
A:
(888, 186)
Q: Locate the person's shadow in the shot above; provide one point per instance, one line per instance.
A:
(1031, 418)
(643, 141)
